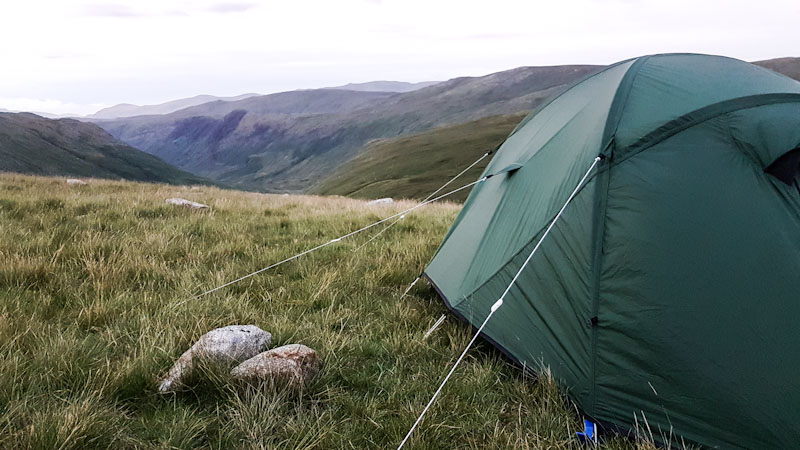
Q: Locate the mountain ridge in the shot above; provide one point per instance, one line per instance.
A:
(287, 141)
(385, 86)
(123, 110)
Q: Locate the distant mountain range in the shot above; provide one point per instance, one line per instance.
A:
(289, 141)
(43, 114)
(36, 145)
(128, 110)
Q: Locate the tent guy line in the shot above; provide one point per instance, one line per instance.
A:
(332, 241)
(499, 301)
(425, 199)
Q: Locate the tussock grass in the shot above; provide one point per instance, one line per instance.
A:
(96, 286)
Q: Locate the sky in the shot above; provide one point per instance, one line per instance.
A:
(78, 56)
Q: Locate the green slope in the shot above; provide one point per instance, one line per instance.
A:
(416, 165)
(34, 145)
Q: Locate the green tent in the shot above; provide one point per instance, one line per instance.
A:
(669, 290)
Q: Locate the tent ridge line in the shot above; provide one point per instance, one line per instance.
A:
(620, 100)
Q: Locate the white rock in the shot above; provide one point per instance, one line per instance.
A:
(75, 182)
(223, 347)
(293, 363)
(381, 201)
(187, 203)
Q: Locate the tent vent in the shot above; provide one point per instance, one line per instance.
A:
(787, 168)
(509, 169)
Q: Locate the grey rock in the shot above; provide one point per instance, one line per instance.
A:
(186, 203)
(293, 363)
(223, 347)
(381, 201)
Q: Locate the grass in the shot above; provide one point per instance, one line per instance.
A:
(96, 286)
(414, 166)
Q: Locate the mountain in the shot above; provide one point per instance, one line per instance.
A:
(292, 103)
(35, 145)
(48, 115)
(291, 140)
(128, 110)
(414, 166)
(787, 66)
(386, 86)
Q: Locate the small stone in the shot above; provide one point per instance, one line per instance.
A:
(293, 363)
(75, 182)
(187, 203)
(223, 347)
(381, 201)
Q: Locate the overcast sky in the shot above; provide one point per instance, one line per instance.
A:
(77, 56)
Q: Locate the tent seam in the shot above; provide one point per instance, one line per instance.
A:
(620, 100)
(706, 113)
(617, 109)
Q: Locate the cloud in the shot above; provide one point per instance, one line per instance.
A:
(498, 35)
(169, 9)
(231, 7)
(61, 55)
(109, 10)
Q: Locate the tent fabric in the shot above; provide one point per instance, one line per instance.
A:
(668, 291)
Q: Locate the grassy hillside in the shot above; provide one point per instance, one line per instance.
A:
(35, 145)
(414, 166)
(96, 302)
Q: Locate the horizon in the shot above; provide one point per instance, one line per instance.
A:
(83, 55)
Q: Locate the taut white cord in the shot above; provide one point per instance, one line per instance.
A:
(344, 236)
